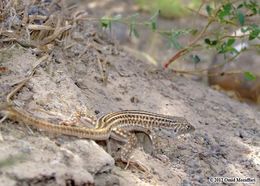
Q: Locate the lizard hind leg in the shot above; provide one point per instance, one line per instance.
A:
(128, 148)
(127, 151)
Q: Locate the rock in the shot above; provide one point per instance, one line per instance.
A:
(91, 156)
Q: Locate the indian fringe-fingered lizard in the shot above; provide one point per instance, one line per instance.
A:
(118, 125)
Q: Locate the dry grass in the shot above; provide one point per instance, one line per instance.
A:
(36, 24)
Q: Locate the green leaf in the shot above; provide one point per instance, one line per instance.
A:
(194, 31)
(255, 31)
(207, 41)
(214, 42)
(133, 30)
(136, 34)
(249, 76)
(240, 6)
(232, 50)
(230, 42)
(153, 20)
(253, 35)
(227, 46)
(253, 6)
(174, 40)
(173, 36)
(225, 11)
(241, 18)
(154, 26)
(195, 59)
(209, 10)
(106, 22)
(227, 7)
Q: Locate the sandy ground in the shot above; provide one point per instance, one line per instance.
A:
(90, 73)
(100, 78)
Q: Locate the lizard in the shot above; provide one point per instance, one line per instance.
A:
(119, 125)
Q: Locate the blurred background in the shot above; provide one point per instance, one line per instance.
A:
(182, 16)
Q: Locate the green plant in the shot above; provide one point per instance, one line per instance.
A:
(224, 18)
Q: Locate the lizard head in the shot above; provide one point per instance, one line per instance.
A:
(180, 126)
